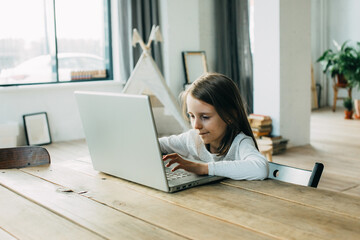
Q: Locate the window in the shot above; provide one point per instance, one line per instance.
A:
(51, 41)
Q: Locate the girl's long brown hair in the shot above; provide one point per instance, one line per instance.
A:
(222, 93)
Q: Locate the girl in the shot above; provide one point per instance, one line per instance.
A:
(221, 137)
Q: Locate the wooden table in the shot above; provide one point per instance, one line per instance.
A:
(70, 200)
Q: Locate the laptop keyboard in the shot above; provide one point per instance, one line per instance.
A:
(176, 175)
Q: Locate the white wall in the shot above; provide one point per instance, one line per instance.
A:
(180, 28)
(207, 31)
(319, 43)
(56, 100)
(282, 62)
(343, 20)
(266, 60)
(295, 70)
(187, 25)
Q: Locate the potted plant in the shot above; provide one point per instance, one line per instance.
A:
(348, 104)
(339, 63)
(352, 72)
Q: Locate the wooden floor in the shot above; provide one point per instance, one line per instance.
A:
(335, 142)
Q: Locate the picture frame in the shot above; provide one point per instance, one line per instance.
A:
(195, 65)
(37, 131)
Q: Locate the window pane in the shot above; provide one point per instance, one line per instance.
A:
(24, 43)
(82, 39)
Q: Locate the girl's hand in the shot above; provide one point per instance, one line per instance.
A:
(194, 167)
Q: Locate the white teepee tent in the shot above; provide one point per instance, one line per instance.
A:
(146, 78)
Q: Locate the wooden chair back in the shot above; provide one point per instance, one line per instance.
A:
(296, 175)
(27, 156)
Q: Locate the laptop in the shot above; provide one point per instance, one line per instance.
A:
(122, 139)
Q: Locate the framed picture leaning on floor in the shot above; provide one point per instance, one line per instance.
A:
(37, 130)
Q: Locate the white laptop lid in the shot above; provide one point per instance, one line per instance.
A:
(121, 137)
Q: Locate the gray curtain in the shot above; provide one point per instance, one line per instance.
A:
(234, 57)
(142, 15)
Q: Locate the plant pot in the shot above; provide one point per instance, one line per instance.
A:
(348, 114)
(357, 108)
(341, 80)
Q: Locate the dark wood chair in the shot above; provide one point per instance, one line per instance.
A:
(296, 175)
(27, 156)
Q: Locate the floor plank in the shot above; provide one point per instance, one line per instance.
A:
(353, 191)
(334, 142)
(241, 206)
(103, 220)
(36, 221)
(222, 204)
(5, 235)
(115, 193)
(330, 201)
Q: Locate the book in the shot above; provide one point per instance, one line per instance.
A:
(282, 142)
(259, 116)
(258, 134)
(280, 147)
(277, 143)
(272, 137)
(262, 129)
(279, 150)
(273, 141)
(265, 142)
(256, 122)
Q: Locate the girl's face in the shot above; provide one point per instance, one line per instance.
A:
(204, 118)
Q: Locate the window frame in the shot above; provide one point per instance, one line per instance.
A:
(108, 50)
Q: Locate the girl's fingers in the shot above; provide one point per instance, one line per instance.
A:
(174, 158)
(170, 156)
(172, 161)
(176, 168)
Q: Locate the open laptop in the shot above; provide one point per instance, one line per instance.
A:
(121, 135)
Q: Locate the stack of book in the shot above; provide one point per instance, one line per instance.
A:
(261, 125)
(278, 143)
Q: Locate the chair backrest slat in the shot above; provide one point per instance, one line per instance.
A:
(27, 156)
(316, 174)
(296, 175)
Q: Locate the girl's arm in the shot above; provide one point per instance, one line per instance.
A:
(244, 162)
(180, 147)
(175, 144)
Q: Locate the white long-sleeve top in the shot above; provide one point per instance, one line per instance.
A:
(242, 162)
